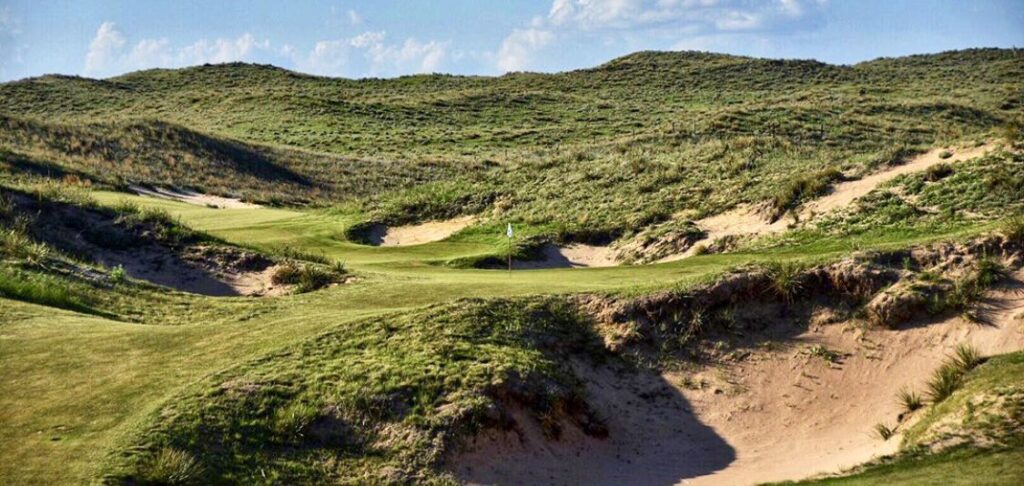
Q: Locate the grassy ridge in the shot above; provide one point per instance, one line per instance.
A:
(589, 155)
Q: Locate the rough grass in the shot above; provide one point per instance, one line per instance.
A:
(589, 155)
(391, 393)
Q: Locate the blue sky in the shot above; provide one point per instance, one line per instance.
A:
(386, 38)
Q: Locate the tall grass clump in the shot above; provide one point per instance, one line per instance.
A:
(787, 279)
(308, 277)
(803, 188)
(1013, 228)
(884, 432)
(949, 376)
(19, 285)
(171, 466)
(909, 400)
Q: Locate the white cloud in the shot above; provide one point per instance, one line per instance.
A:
(243, 48)
(411, 56)
(367, 39)
(111, 53)
(518, 48)
(712, 14)
(105, 49)
(354, 18)
(641, 23)
(370, 54)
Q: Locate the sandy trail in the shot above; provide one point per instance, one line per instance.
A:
(746, 221)
(192, 197)
(418, 234)
(773, 415)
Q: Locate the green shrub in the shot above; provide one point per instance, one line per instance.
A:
(945, 154)
(308, 277)
(117, 274)
(937, 172)
(1013, 228)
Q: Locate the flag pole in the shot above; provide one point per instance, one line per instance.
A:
(509, 234)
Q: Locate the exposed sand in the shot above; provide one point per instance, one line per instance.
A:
(844, 193)
(746, 221)
(770, 416)
(193, 197)
(193, 274)
(418, 234)
(576, 255)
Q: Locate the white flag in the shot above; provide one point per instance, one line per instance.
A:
(509, 230)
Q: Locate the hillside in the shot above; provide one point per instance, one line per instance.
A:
(239, 274)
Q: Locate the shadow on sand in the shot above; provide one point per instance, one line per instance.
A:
(653, 438)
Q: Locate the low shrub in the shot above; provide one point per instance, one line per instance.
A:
(787, 279)
(308, 277)
(938, 172)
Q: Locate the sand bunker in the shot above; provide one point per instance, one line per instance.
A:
(218, 272)
(192, 197)
(418, 234)
(572, 256)
(770, 415)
